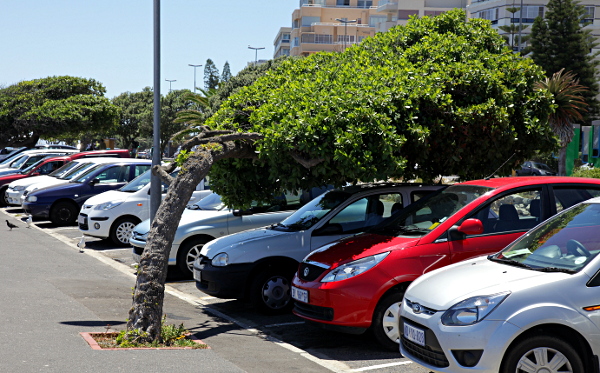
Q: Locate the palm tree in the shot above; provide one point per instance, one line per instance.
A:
(569, 105)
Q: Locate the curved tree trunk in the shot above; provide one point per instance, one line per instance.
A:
(562, 161)
(146, 311)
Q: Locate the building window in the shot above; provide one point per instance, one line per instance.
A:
(489, 14)
(596, 141)
(589, 14)
(405, 13)
(365, 3)
(343, 2)
(585, 143)
(349, 39)
(317, 39)
(375, 20)
(308, 21)
(433, 13)
(530, 13)
(296, 42)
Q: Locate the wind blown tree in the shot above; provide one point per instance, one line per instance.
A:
(559, 41)
(569, 108)
(53, 108)
(226, 74)
(437, 96)
(135, 109)
(211, 75)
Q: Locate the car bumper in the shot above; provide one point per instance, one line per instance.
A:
(37, 210)
(138, 250)
(229, 282)
(474, 348)
(95, 226)
(13, 198)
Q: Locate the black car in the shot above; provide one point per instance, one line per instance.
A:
(531, 168)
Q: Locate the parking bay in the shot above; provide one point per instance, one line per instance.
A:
(357, 352)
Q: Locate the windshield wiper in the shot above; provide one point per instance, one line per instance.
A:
(510, 262)
(556, 269)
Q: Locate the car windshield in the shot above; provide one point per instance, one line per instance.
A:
(315, 210)
(541, 166)
(427, 213)
(28, 169)
(81, 176)
(141, 181)
(212, 202)
(12, 156)
(16, 162)
(564, 243)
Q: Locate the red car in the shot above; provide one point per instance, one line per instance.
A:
(47, 165)
(357, 284)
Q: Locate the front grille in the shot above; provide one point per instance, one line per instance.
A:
(431, 353)
(84, 226)
(314, 312)
(309, 272)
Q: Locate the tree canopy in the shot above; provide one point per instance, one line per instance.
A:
(136, 109)
(53, 108)
(435, 97)
(211, 75)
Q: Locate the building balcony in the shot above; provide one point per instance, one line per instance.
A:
(387, 6)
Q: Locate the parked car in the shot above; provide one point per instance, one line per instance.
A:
(13, 152)
(115, 213)
(532, 168)
(358, 283)
(61, 203)
(10, 151)
(258, 265)
(210, 218)
(533, 307)
(49, 164)
(29, 157)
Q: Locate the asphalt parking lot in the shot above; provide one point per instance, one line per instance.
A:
(334, 351)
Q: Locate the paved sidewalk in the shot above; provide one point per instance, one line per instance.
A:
(51, 292)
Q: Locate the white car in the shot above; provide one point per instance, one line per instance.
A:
(114, 213)
(533, 307)
(19, 189)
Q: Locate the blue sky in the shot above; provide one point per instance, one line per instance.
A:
(112, 40)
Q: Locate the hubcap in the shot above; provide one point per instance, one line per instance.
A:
(192, 255)
(390, 322)
(276, 292)
(544, 360)
(124, 231)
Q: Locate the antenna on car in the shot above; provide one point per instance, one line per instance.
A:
(502, 165)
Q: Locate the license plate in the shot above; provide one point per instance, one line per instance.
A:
(81, 219)
(415, 335)
(299, 294)
(197, 275)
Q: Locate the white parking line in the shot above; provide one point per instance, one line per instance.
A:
(381, 366)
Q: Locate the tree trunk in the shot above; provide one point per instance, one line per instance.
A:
(146, 311)
(562, 160)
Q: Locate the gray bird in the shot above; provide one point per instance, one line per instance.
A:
(28, 221)
(11, 225)
(81, 244)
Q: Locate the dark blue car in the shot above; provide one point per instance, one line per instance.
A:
(61, 203)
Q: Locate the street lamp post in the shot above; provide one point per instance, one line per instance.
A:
(194, 66)
(256, 49)
(345, 22)
(170, 82)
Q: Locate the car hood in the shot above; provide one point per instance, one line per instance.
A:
(108, 196)
(51, 181)
(243, 241)
(188, 218)
(32, 180)
(355, 247)
(10, 171)
(442, 288)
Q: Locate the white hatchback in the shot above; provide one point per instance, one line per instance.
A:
(114, 214)
(533, 307)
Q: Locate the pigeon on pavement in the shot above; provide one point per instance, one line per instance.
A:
(28, 221)
(11, 225)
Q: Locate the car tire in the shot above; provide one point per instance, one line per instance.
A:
(121, 230)
(270, 292)
(188, 253)
(385, 325)
(548, 347)
(63, 213)
(3, 202)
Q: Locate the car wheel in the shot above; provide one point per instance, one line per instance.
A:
(386, 325)
(270, 292)
(542, 354)
(188, 253)
(3, 202)
(121, 230)
(63, 213)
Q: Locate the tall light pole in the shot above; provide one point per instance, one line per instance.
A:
(194, 66)
(520, 25)
(256, 49)
(155, 183)
(345, 22)
(170, 82)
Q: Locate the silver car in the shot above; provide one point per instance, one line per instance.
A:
(533, 307)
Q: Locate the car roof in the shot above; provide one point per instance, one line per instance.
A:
(516, 181)
(376, 186)
(46, 150)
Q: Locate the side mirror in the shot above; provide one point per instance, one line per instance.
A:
(329, 230)
(238, 212)
(95, 181)
(468, 227)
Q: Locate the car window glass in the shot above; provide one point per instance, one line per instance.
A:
(566, 197)
(367, 212)
(16, 163)
(75, 173)
(513, 212)
(140, 169)
(114, 174)
(49, 167)
(32, 160)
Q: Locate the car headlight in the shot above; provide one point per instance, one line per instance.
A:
(220, 260)
(107, 205)
(354, 268)
(19, 188)
(31, 198)
(472, 310)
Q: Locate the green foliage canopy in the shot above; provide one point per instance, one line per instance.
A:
(53, 108)
(439, 96)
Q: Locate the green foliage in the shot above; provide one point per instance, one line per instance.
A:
(136, 109)
(438, 96)
(211, 75)
(559, 41)
(591, 172)
(170, 336)
(53, 107)
(226, 74)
